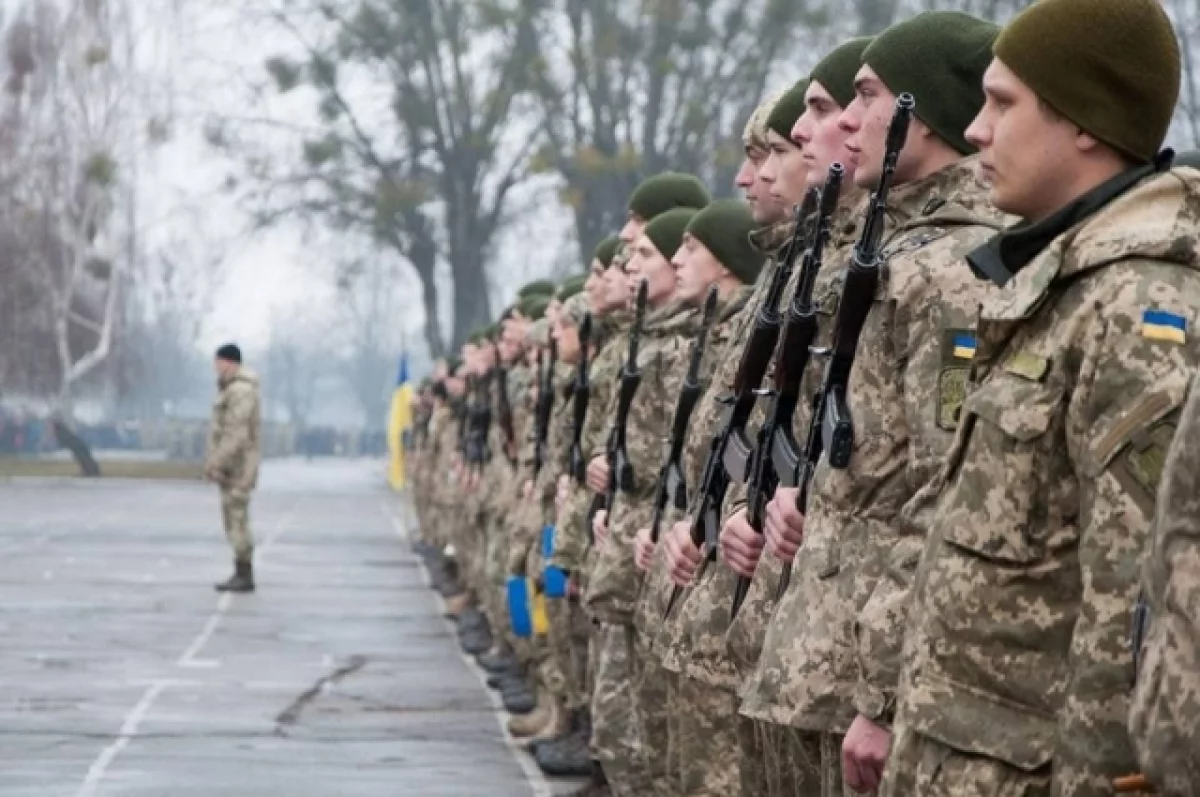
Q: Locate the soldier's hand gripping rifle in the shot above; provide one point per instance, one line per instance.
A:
(543, 409)
(672, 485)
(705, 514)
(775, 442)
(830, 430)
(582, 395)
(620, 470)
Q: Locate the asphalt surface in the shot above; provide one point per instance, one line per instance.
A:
(123, 673)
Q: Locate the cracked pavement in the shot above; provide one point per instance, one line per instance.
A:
(124, 673)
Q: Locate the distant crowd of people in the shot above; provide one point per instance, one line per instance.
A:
(22, 434)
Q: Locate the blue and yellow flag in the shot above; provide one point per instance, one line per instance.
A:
(399, 422)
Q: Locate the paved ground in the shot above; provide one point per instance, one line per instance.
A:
(123, 673)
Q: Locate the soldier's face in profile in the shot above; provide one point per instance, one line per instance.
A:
(649, 264)
(696, 268)
(865, 121)
(1028, 154)
(787, 174)
(616, 289)
(821, 138)
(594, 285)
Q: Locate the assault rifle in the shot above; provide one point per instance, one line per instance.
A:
(672, 484)
(479, 421)
(506, 414)
(543, 409)
(582, 394)
(831, 430)
(752, 367)
(620, 470)
(775, 441)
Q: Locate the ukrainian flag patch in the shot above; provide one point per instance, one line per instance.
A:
(964, 346)
(1161, 325)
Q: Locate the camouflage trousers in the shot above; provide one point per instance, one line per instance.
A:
(235, 515)
(920, 765)
(799, 763)
(495, 577)
(651, 694)
(616, 731)
(756, 780)
(705, 757)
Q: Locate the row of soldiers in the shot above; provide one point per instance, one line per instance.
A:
(851, 487)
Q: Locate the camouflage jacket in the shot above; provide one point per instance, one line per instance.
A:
(1018, 645)
(614, 580)
(744, 638)
(674, 640)
(571, 536)
(235, 434)
(1165, 714)
(657, 584)
(904, 391)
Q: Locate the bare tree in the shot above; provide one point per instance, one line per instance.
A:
(415, 145)
(68, 146)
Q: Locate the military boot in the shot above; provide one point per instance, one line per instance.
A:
(572, 759)
(544, 715)
(242, 579)
(498, 660)
(518, 699)
(457, 605)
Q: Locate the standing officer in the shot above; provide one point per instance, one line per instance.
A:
(234, 452)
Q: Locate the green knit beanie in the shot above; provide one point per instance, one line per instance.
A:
(788, 109)
(537, 287)
(571, 286)
(534, 306)
(666, 230)
(1112, 67)
(656, 195)
(453, 364)
(837, 71)
(606, 249)
(939, 57)
(724, 227)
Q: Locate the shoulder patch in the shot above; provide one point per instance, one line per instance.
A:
(1139, 469)
(1164, 326)
(958, 351)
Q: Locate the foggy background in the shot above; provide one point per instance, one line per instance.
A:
(333, 183)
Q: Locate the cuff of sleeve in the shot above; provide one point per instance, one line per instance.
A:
(877, 705)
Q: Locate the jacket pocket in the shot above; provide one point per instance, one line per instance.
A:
(1001, 507)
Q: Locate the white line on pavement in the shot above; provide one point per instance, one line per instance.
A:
(138, 713)
(188, 659)
(537, 780)
(128, 728)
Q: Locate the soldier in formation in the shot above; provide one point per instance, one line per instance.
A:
(877, 480)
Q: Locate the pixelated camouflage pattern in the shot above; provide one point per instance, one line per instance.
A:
(614, 581)
(927, 293)
(706, 420)
(1165, 707)
(571, 544)
(919, 765)
(657, 585)
(704, 725)
(234, 435)
(616, 730)
(1018, 647)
